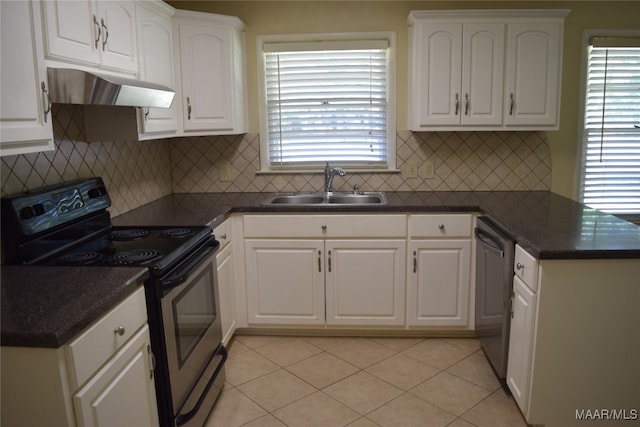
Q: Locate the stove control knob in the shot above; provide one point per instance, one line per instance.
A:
(97, 192)
(27, 213)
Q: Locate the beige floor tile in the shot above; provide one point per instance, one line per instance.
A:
(409, 411)
(363, 392)
(236, 347)
(233, 409)
(363, 422)
(398, 344)
(316, 410)
(495, 411)
(247, 366)
(402, 371)
(275, 390)
(437, 352)
(476, 368)
(361, 352)
(468, 343)
(326, 343)
(288, 351)
(450, 393)
(265, 421)
(459, 422)
(322, 370)
(256, 341)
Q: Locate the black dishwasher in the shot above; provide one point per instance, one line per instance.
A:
(494, 285)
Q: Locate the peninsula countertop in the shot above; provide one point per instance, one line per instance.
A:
(547, 225)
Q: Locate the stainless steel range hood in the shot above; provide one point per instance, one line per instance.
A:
(69, 86)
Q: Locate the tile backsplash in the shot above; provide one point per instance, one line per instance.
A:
(136, 173)
(463, 161)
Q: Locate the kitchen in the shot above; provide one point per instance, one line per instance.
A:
(140, 172)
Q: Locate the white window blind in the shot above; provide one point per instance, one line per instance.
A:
(327, 102)
(611, 159)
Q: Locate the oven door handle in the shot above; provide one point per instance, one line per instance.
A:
(191, 265)
(184, 418)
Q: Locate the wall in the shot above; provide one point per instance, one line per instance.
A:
(272, 17)
(135, 173)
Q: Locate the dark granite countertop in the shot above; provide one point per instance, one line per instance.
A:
(47, 306)
(547, 225)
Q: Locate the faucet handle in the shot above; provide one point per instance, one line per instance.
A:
(356, 189)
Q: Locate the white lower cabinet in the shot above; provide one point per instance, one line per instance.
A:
(226, 280)
(333, 270)
(365, 282)
(102, 377)
(439, 270)
(523, 310)
(285, 281)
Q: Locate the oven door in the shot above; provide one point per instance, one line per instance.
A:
(193, 333)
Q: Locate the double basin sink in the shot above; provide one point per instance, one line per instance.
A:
(327, 199)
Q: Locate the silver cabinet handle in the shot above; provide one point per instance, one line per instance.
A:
(319, 261)
(511, 104)
(457, 103)
(105, 37)
(146, 114)
(329, 261)
(47, 100)
(152, 360)
(466, 104)
(188, 108)
(119, 330)
(96, 26)
(415, 262)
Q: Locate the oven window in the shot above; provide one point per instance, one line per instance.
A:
(194, 311)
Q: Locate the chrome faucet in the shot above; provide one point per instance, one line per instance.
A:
(328, 176)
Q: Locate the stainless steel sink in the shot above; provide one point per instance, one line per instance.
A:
(331, 199)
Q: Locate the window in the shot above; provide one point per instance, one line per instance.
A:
(611, 135)
(327, 101)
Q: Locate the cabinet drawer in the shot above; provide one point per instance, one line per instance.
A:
(223, 233)
(526, 268)
(440, 225)
(325, 226)
(93, 347)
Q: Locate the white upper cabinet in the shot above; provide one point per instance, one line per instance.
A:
(155, 47)
(96, 33)
(456, 74)
(211, 71)
(534, 52)
(457, 63)
(25, 110)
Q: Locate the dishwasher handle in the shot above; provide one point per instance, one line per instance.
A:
(490, 242)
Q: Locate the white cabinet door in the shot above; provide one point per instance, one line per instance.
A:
(99, 33)
(224, 260)
(435, 83)
(285, 281)
(122, 393)
(365, 282)
(533, 69)
(205, 64)
(72, 30)
(25, 111)
(118, 44)
(482, 74)
(438, 283)
(156, 61)
(523, 311)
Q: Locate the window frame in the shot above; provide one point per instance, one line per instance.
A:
(390, 36)
(582, 148)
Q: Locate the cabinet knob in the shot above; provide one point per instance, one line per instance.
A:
(324, 227)
(441, 226)
(224, 236)
(519, 266)
(119, 330)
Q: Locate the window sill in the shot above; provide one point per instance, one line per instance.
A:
(314, 172)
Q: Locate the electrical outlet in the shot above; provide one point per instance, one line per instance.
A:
(225, 172)
(411, 169)
(427, 170)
